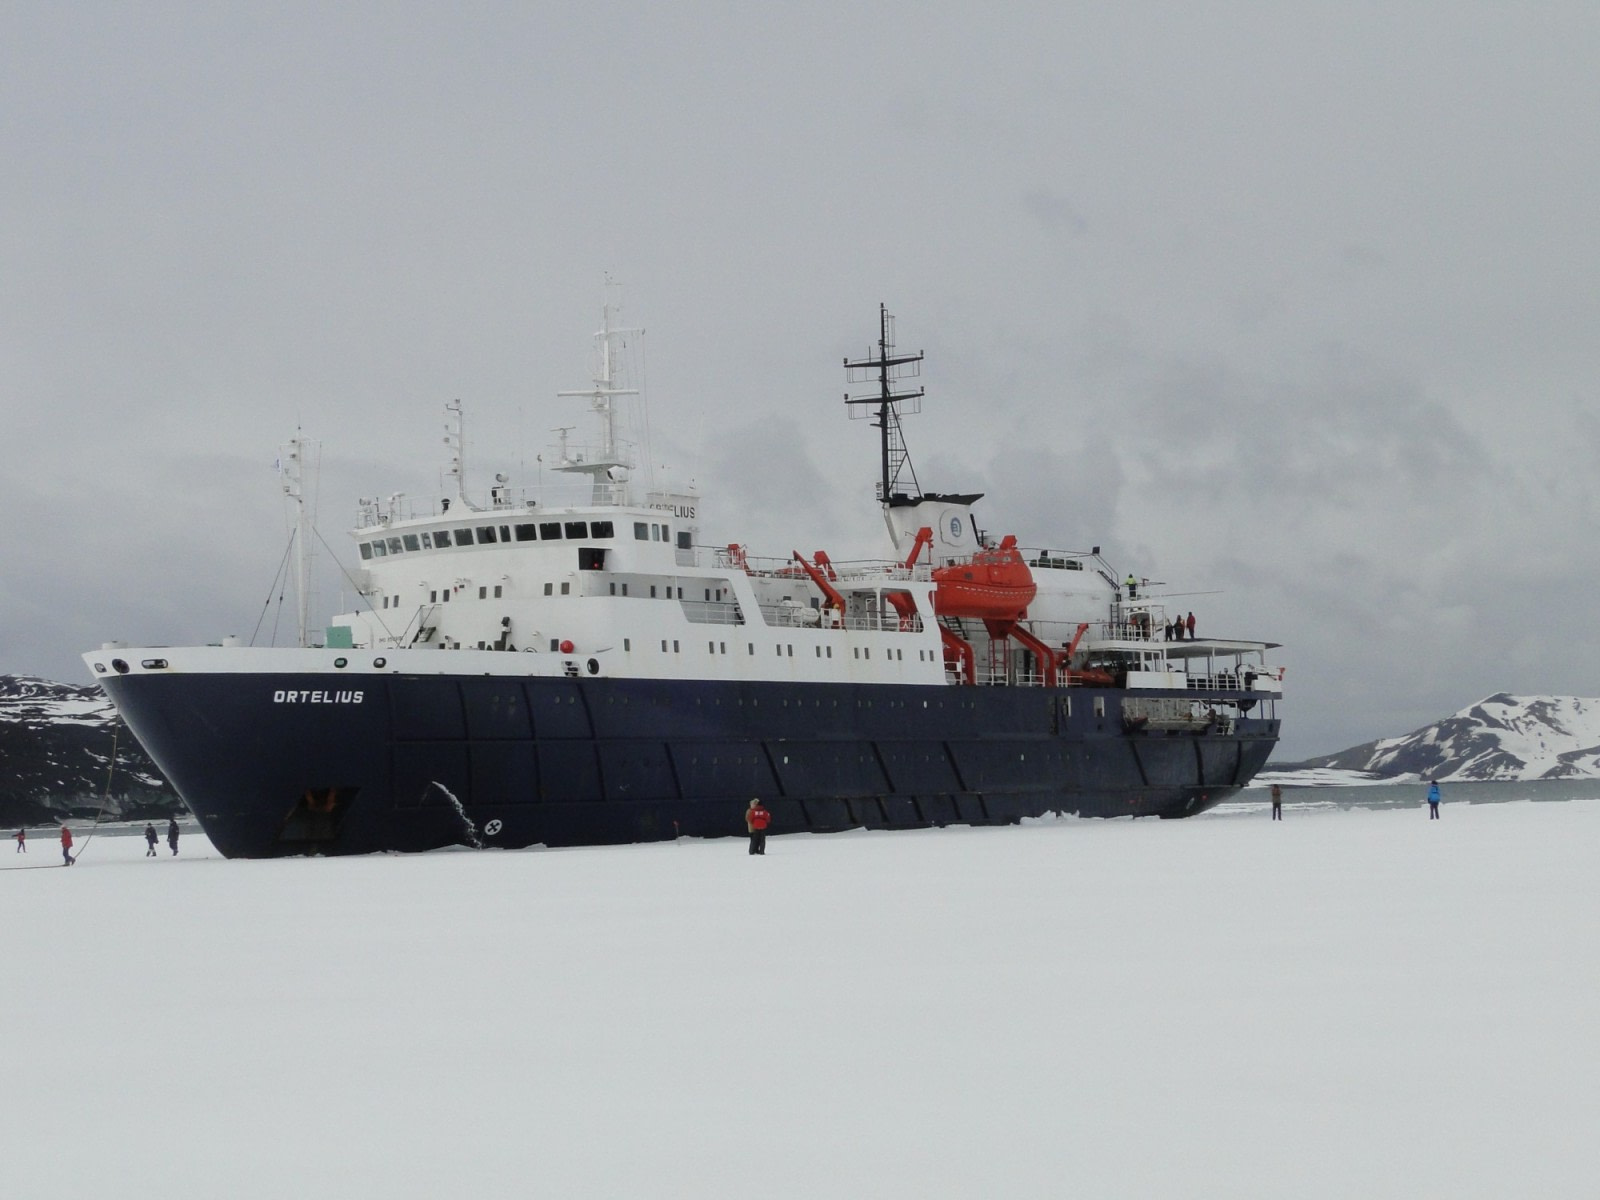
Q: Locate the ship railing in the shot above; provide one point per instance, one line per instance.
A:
(851, 573)
(500, 499)
(793, 615)
(712, 612)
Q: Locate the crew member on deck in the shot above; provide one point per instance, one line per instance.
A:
(1133, 587)
(1190, 624)
(756, 820)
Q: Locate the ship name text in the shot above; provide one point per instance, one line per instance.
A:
(297, 697)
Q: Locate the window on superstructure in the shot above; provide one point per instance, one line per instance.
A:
(566, 589)
(505, 533)
(433, 597)
(394, 545)
(485, 535)
(549, 588)
(577, 529)
(624, 589)
(411, 542)
(446, 596)
(684, 542)
(641, 531)
(463, 537)
(652, 591)
(366, 551)
(527, 533)
(549, 531)
(655, 532)
(427, 541)
(675, 645)
(483, 593)
(601, 529)
(378, 550)
(497, 591)
(591, 558)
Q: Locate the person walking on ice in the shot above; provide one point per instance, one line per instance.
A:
(1277, 803)
(150, 840)
(66, 847)
(756, 820)
(1433, 799)
(172, 833)
(22, 841)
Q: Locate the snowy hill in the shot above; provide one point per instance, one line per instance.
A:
(1503, 737)
(55, 745)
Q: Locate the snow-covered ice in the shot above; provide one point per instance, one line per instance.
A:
(1345, 1003)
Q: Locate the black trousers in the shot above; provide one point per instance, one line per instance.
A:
(1277, 812)
(758, 841)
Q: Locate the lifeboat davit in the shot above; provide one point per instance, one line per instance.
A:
(995, 585)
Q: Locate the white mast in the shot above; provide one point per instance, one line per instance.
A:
(607, 465)
(293, 466)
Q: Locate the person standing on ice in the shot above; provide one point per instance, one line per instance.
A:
(22, 841)
(1277, 803)
(66, 847)
(150, 840)
(1433, 799)
(172, 833)
(756, 820)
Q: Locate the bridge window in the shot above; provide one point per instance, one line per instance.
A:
(366, 550)
(378, 550)
(463, 537)
(427, 541)
(485, 535)
(550, 531)
(601, 529)
(527, 533)
(641, 531)
(411, 542)
(394, 545)
(577, 529)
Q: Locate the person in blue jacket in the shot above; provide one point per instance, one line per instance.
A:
(1433, 799)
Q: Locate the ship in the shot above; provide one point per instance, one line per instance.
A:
(542, 666)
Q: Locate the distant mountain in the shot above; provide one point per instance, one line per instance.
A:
(56, 743)
(1503, 737)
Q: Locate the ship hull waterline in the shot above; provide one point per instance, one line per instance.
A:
(286, 764)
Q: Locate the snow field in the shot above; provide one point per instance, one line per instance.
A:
(1343, 1003)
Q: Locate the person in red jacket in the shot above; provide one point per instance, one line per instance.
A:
(756, 820)
(66, 847)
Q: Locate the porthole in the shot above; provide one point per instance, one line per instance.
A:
(341, 662)
(153, 664)
(120, 667)
(100, 667)
(380, 662)
(594, 666)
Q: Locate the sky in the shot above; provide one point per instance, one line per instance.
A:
(1289, 306)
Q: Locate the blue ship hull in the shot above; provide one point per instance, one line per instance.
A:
(275, 765)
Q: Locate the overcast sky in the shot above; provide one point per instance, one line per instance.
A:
(1293, 305)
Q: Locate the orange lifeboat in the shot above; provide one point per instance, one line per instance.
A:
(995, 585)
